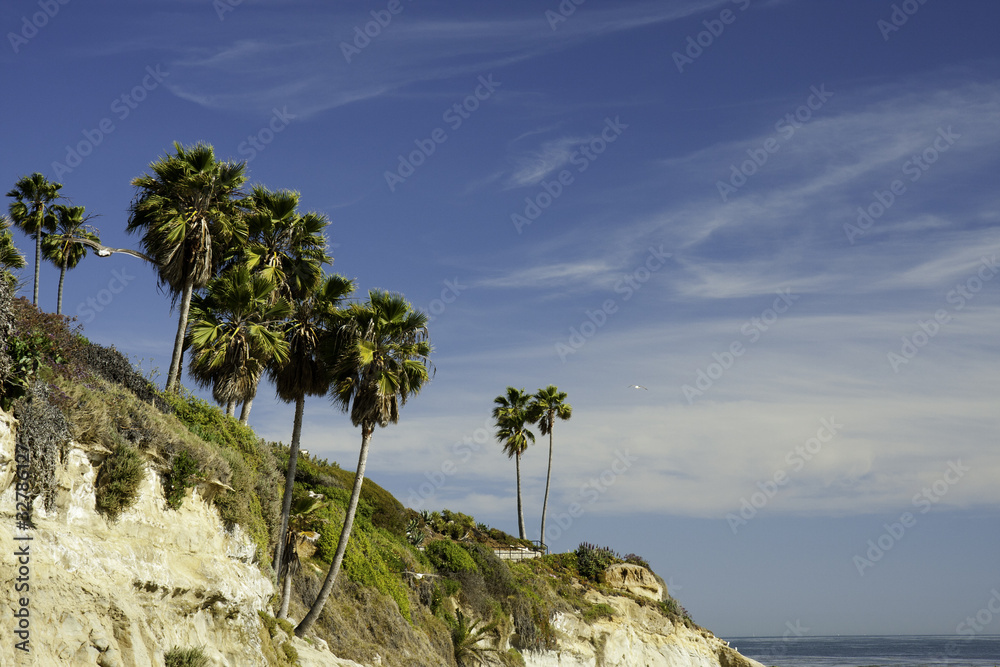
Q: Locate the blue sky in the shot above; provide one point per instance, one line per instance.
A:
(778, 216)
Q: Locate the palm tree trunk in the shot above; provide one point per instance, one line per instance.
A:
(245, 412)
(231, 409)
(548, 477)
(286, 503)
(38, 263)
(248, 403)
(345, 535)
(286, 595)
(520, 509)
(62, 278)
(174, 376)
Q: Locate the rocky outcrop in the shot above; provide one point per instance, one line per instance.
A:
(634, 579)
(125, 593)
(636, 635)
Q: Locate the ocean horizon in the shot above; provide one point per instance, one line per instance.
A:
(872, 650)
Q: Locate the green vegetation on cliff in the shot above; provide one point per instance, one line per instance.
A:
(418, 589)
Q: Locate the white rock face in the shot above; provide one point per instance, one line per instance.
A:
(125, 593)
(634, 579)
(636, 637)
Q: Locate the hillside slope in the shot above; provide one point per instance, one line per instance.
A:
(141, 527)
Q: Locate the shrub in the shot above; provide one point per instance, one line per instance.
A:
(118, 481)
(286, 626)
(673, 610)
(592, 560)
(185, 657)
(599, 610)
(270, 622)
(290, 652)
(636, 560)
(242, 505)
(180, 478)
(447, 556)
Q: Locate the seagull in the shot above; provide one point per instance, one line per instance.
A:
(104, 251)
(637, 386)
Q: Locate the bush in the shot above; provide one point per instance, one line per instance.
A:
(118, 481)
(447, 556)
(290, 652)
(180, 478)
(636, 560)
(592, 560)
(185, 657)
(286, 626)
(270, 622)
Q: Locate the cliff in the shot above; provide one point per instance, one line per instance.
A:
(124, 593)
(137, 527)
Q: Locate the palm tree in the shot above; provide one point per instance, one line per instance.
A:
(510, 415)
(10, 256)
(235, 334)
(190, 214)
(546, 405)
(304, 373)
(303, 518)
(284, 247)
(61, 246)
(378, 358)
(465, 639)
(32, 196)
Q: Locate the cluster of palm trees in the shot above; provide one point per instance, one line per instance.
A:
(514, 410)
(245, 269)
(56, 228)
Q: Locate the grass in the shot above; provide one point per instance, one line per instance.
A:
(185, 657)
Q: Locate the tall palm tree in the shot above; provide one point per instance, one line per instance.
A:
(379, 357)
(29, 210)
(60, 246)
(546, 405)
(287, 248)
(511, 415)
(235, 334)
(304, 373)
(190, 214)
(10, 256)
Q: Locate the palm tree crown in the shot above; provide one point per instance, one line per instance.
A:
(190, 214)
(32, 196)
(285, 246)
(10, 256)
(235, 333)
(546, 405)
(510, 416)
(61, 246)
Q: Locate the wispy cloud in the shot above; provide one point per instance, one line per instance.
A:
(306, 68)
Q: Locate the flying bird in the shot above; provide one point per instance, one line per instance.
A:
(104, 251)
(637, 386)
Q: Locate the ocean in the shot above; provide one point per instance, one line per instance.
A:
(872, 651)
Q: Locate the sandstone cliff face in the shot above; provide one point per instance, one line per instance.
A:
(125, 593)
(636, 637)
